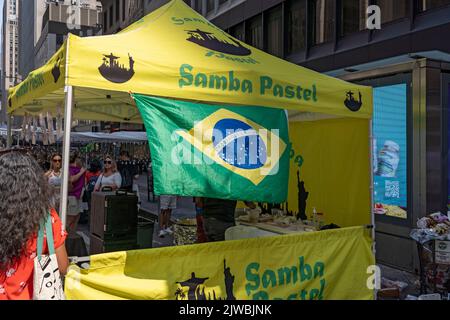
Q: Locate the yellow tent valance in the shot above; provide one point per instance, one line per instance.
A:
(175, 52)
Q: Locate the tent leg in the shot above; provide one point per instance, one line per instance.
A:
(9, 132)
(372, 200)
(66, 153)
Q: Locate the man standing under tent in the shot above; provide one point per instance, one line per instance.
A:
(128, 171)
(218, 216)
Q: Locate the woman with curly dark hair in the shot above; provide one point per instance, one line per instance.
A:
(24, 203)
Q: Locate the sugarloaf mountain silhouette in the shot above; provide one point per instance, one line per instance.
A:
(56, 71)
(210, 41)
(112, 71)
(195, 293)
(353, 104)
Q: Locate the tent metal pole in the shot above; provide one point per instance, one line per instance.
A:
(9, 132)
(66, 153)
(372, 200)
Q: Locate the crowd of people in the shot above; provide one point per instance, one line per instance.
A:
(108, 175)
(30, 196)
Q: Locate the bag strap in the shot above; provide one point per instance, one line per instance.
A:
(47, 223)
(40, 239)
(49, 230)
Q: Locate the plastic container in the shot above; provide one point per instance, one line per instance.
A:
(388, 159)
(185, 232)
(314, 219)
(253, 215)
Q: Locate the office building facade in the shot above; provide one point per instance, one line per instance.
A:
(119, 14)
(10, 51)
(60, 18)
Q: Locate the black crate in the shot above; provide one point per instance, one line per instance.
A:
(114, 215)
(99, 246)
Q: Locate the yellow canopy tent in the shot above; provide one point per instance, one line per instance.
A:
(175, 52)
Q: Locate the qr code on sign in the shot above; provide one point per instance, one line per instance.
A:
(392, 189)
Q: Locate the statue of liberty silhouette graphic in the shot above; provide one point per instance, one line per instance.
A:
(229, 281)
(302, 197)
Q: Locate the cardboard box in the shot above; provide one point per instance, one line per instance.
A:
(442, 257)
(442, 246)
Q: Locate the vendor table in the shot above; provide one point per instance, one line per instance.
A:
(245, 230)
(277, 229)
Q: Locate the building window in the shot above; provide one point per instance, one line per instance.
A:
(353, 16)
(323, 20)
(59, 40)
(275, 32)
(238, 32)
(111, 16)
(105, 18)
(296, 26)
(393, 10)
(255, 32)
(123, 9)
(117, 10)
(198, 6)
(425, 5)
(209, 5)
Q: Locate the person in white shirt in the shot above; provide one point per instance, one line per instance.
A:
(54, 177)
(110, 177)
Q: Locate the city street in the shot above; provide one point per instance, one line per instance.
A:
(327, 119)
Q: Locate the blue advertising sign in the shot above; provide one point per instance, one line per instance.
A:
(390, 150)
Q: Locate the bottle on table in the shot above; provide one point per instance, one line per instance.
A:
(314, 218)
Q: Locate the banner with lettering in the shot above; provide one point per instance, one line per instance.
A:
(326, 265)
(175, 52)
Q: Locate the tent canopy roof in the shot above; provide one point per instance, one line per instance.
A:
(175, 52)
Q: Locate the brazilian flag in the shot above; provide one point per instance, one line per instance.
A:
(224, 152)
